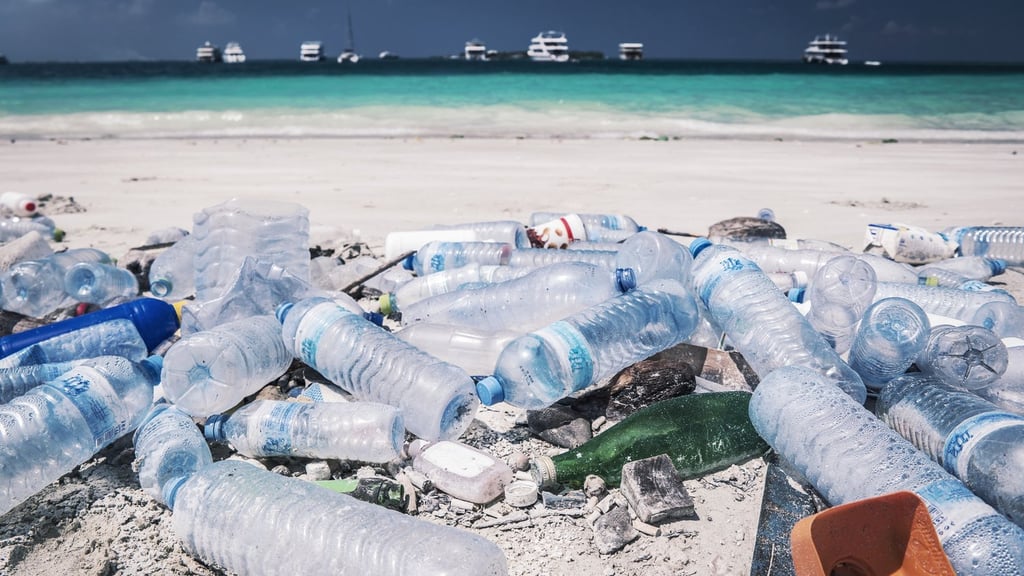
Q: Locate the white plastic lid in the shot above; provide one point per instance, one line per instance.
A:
(521, 493)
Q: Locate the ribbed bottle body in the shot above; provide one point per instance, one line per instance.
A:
(539, 368)
(544, 295)
(168, 449)
(475, 351)
(99, 283)
(172, 274)
(761, 322)
(599, 227)
(948, 302)
(1003, 242)
(891, 335)
(701, 433)
(966, 356)
(361, 431)
(970, 437)
(16, 381)
(437, 256)
(225, 234)
(653, 255)
(445, 281)
(13, 228)
(224, 516)
(210, 371)
(36, 287)
(1006, 319)
(840, 292)
(58, 425)
(777, 259)
(117, 337)
(978, 268)
(848, 454)
(538, 257)
(437, 399)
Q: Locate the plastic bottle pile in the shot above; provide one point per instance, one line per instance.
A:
(505, 312)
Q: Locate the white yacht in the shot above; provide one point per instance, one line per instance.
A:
(475, 50)
(387, 55)
(826, 50)
(233, 53)
(348, 56)
(550, 46)
(311, 51)
(208, 53)
(631, 51)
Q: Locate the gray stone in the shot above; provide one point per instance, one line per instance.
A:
(569, 500)
(614, 530)
(560, 425)
(655, 490)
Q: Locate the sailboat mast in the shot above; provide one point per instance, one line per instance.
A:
(351, 37)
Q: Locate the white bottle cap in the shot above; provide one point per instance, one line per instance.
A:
(521, 493)
(20, 204)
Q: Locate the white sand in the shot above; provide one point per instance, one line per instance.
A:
(827, 190)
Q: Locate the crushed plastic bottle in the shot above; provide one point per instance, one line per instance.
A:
(97, 283)
(168, 448)
(36, 287)
(172, 274)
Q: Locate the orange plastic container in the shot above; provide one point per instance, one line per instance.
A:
(887, 535)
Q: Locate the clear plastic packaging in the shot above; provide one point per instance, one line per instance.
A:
(475, 351)
(840, 292)
(168, 449)
(889, 339)
(437, 256)
(968, 357)
(1003, 242)
(99, 283)
(172, 274)
(36, 287)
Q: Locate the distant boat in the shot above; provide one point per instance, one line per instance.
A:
(385, 55)
(631, 51)
(233, 53)
(550, 46)
(827, 50)
(475, 50)
(208, 53)
(349, 55)
(872, 63)
(311, 51)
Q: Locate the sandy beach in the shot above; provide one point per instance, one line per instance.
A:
(97, 520)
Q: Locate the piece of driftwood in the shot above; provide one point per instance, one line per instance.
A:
(655, 490)
(356, 287)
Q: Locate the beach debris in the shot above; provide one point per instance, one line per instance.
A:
(613, 530)
(655, 490)
(568, 500)
(746, 227)
(560, 424)
(906, 243)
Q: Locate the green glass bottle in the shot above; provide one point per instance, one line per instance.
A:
(375, 490)
(701, 433)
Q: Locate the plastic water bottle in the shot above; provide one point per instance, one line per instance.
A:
(759, 319)
(776, 259)
(598, 227)
(538, 257)
(36, 287)
(841, 291)
(154, 320)
(437, 256)
(849, 454)
(59, 425)
(224, 517)
(973, 267)
(117, 337)
(18, 203)
(172, 274)
(210, 371)
(99, 283)
(559, 233)
(970, 437)
(949, 302)
(651, 255)
(505, 231)
(539, 368)
(747, 242)
(1007, 392)
(437, 399)
(1003, 318)
(891, 335)
(16, 227)
(1003, 242)
(968, 357)
(168, 449)
(446, 281)
(766, 214)
(475, 351)
(363, 431)
(228, 232)
(544, 295)
(18, 380)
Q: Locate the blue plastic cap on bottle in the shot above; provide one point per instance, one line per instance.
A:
(625, 279)
(374, 317)
(490, 391)
(408, 262)
(796, 295)
(698, 246)
(641, 228)
(282, 310)
(155, 363)
(213, 428)
(998, 266)
(170, 490)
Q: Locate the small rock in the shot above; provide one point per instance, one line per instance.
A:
(614, 530)
(655, 490)
(560, 425)
(318, 470)
(569, 500)
(594, 486)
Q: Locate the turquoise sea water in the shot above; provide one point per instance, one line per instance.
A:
(598, 99)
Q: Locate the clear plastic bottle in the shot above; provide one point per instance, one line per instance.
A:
(229, 232)
(154, 320)
(437, 398)
(652, 255)
(848, 454)
(786, 243)
(760, 320)
(475, 351)
(1004, 318)
(505, 231)
(36, 287)
(362, 431)
(437, 256)
(168, 449)
(31, 246)
(598, 227)
(970, 437)
(116, 337)
(539, 368)
(18, 380)
(210, 371)
(16, 227)
(460, 470)
(99, 283)
(840, 292)
(776, 259)
(1003, 242)
(537, 257)
(544, 295)
(18, 203)
(61, 424)
(1008, 391)
(890, 337)
(949, 302)
(972, 267)
(224, 516)
(965, 356)
(172, 274)
(446, 281)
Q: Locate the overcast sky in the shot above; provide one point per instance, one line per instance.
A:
(891, 30)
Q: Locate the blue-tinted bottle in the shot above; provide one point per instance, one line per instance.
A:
(891, 335)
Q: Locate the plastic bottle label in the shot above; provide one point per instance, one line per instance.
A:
(311, 329)
(787, 243)
(963, 439)
(457, 459)
(573, 351)
(733, 263)
(952, 506)
(276, 424)
(436, 263)
(84, 387)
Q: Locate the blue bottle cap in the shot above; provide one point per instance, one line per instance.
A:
(408, 262)
(156, 363)
(625, 279)
(282, 310)
(698, 246)
(641, 228)
(796, 295)
(998, 266)
(170, 490)
(490, 391)
(213, 428)
(377, 319)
